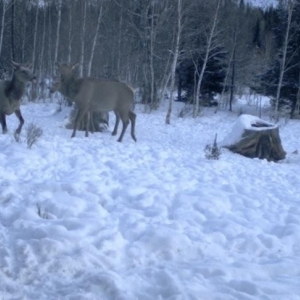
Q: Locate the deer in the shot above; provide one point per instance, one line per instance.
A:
(101, 117)
(97, 95)
(11, 93)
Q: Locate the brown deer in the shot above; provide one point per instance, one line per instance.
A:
(98, 95)
(95, 119)
(11, 92)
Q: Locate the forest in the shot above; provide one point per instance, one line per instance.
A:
(198, 48)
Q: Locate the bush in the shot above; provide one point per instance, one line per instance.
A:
(42, 214)
(212, 151)
(33, 132)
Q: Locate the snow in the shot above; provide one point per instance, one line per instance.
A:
(90, 218)
(245, 122)
(263, 3)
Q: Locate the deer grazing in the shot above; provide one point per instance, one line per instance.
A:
(97, 95)
(11, 92)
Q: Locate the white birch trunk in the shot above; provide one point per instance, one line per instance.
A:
(175, 58)
(228, 71)
(49, 41)
(35, 37)
(165, 82)
(43, 44)
(151, 57)
(119, 44)
(57, 31)
(23, 38)
(70, 37)
(82, 40)
(282, 65)
(208, 49)
(2, 25)
(95, 41)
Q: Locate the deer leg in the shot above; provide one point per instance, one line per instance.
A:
(19, 116)
(132, 117)
(79, 116)
(3, 122)
(116, 124)
(92, 116)
(125, 121)
(87, 123)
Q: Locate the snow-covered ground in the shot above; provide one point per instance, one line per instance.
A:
(90, 218)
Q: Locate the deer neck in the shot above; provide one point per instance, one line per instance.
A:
(14, 89)
(69, 86)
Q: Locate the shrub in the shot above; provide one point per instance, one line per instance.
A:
(33, 132)
(42, 214)
(212, 151)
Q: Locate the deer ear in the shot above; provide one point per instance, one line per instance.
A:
(15, 65)
(29, 65)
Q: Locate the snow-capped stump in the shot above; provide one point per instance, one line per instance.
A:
(254, 137)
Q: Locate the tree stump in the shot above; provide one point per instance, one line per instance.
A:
(254, 137)
(98, 121)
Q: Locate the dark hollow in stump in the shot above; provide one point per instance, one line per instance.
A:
(262, 143)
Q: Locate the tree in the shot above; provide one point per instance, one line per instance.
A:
(59, 8)
(175, 58)
(96, 34)
(209, 46)
(290, 8)
(5, 6)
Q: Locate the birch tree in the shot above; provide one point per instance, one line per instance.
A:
(5, 5)
(145, 20)
(57, 31)
(69, 55)
(96, 35)
(41, 63)
(36, 20)
(290, 8)
(82, 54)
(175, 58)
(211, 36)
(12, 32)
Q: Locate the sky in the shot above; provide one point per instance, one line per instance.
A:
(91, 218)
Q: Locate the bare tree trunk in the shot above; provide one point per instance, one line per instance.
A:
(82, 40)
(95, 40)
(34, 88)
(35, 37)
(57, 31)
(96, 117)
(208, 49)
(119, 44)
(283, 62)
(165, 82)
(70, 37)
(297, 102)
(2, 25)
(13, 55)
(232, 79)
(175, 58)
(151, 57)
(50, 61)
(23, 38)
(41, 64)
(232, 55)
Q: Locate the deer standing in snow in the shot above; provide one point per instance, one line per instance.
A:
(98, 95)
(11, 92)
